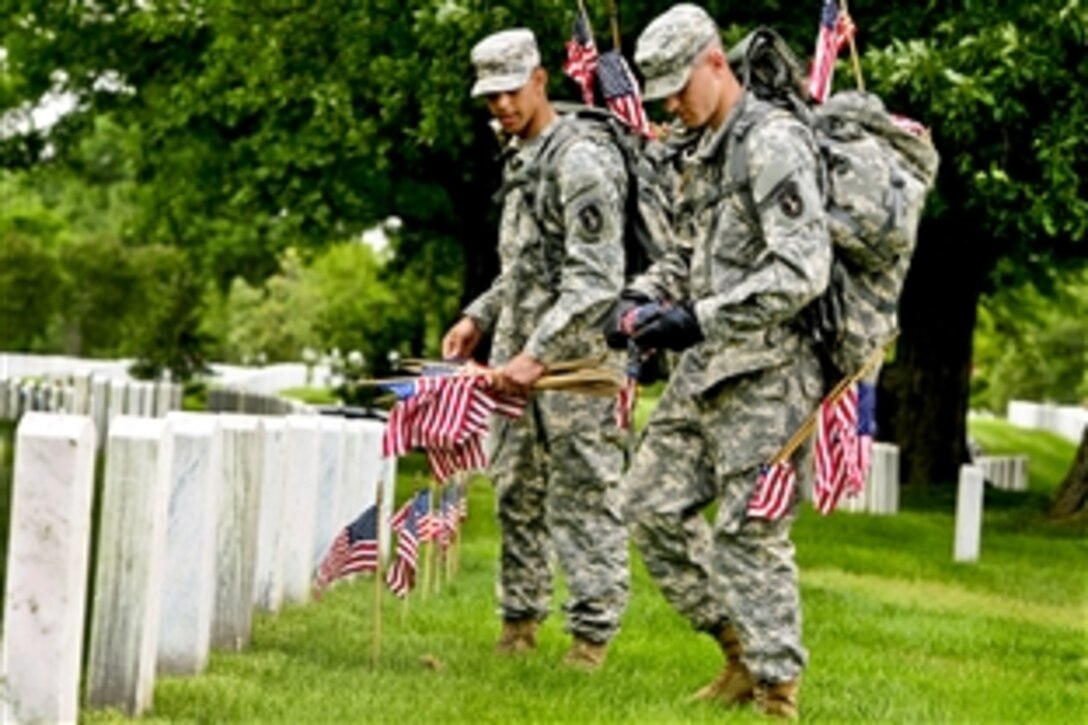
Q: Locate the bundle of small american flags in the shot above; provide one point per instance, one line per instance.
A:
(845, 426)
(446, 415)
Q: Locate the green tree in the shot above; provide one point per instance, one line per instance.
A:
(266, 125)
(29, 280)
(1000, 86)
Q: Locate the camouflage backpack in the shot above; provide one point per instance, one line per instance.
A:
(647, 213)
(876, 177)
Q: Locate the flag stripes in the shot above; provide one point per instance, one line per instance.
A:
(447, 416)
(621, 93)
(581, 62)
(354, 550)
(774, 491)
(836, 30)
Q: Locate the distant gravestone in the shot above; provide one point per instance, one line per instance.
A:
(188, 589)
(236, 532)
(969, 513)
(303, 447)
(129, 565)
(119, 394)
(81, 394)
(100, 400)
(47, 556)
(163, 393)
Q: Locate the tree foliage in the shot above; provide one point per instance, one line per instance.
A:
(234, 130)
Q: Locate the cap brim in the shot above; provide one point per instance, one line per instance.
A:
(667, 85)
(500, 84)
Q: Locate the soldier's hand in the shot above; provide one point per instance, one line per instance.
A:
(672, 327)
(461, 339)
(620, 324)
(518, 376)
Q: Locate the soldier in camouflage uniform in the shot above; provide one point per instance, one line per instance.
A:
(754, 255)
(557, 469)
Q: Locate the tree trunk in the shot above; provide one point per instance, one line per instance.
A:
(1073, 493)
(924, 392)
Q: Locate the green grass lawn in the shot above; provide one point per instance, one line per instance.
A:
(897, 632)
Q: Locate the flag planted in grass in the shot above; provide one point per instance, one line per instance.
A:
(401, 576)
(354, 550)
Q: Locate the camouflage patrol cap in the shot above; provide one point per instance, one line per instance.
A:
(504, 61)
(669, 46)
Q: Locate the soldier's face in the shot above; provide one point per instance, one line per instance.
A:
(515, 110)
(698, 101)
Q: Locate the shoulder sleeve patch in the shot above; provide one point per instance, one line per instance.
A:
(591, 218)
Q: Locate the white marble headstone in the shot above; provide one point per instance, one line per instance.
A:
(236, 537)
(47, 557)
(129, 566)
(190, 556)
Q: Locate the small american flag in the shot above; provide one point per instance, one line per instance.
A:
(401, 576)
(448, 416)
(774, 491)
(844, 438)
(620, 91)
(836, 30)
(424, 519)
(449, 515)
(581, 60)
(354, 550)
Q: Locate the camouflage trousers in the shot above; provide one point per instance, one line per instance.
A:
(698, 449)
(557, 472)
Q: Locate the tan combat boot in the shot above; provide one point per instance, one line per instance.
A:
(733, 685)
(778, 699)
(585, 654)
(517, 636)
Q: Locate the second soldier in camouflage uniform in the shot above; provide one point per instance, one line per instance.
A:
(557, 469)
(755, 255)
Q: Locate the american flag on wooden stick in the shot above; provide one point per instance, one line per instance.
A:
(836, 29)
(621, 93)
(581, 62)
(844, 439)
(774, 491)
(401, 576)
(354, 550)
(447, 416)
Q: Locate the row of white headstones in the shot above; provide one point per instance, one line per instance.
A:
(203, 520)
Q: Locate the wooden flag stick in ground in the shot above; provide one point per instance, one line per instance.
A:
(428, 580)
(810, 423)
(853, 50)
(376, 642)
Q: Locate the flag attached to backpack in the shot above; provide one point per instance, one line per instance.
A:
(621, 93)
(581, 63)
(836, 30)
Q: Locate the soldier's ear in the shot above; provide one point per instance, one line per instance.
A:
(540, 77)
